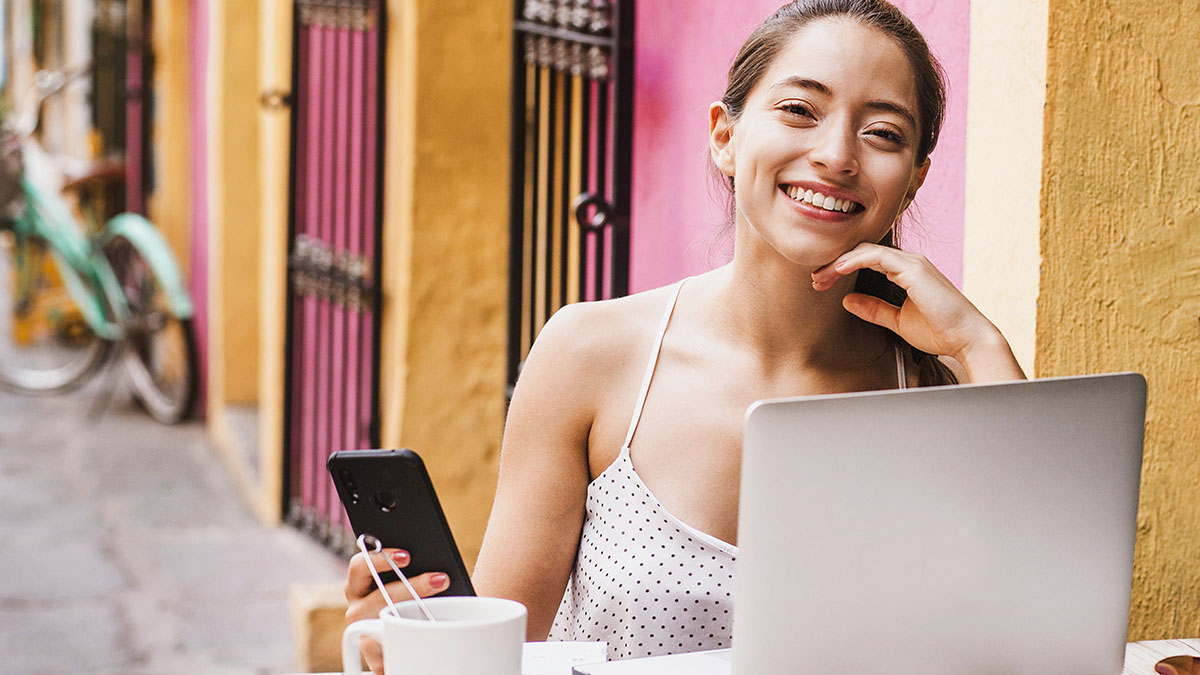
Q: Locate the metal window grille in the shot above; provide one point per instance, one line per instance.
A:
(334, 258)
(571, 152)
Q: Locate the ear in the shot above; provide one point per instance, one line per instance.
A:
(720, 137)
(915, 184)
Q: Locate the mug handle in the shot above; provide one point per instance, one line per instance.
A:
(351, 657)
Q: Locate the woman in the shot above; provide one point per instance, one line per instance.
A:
(616, 511)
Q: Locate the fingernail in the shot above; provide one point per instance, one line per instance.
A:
(438, 580)
(400, 556)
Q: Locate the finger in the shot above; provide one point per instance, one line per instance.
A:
(372, 652)
(359, 581)
(889, 261)
(873, 310)
(430, 583)
(369, 605)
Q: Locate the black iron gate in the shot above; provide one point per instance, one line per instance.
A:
(121, 104)
(571, 152)
(335, 207)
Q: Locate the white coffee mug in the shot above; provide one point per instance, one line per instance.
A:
(470, 635)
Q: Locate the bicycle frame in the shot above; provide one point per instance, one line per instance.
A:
(157, 253)
(86, 272)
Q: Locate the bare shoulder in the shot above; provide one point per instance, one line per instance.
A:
(584, 354)
(595, 340)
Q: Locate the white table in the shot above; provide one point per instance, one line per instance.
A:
(1140, 657)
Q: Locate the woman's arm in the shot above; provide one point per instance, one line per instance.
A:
(533, 533)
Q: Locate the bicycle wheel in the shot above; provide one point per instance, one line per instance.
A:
(160, 354)
(46, 347)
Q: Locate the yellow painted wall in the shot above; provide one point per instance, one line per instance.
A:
(446, 247)
(1120, 245)
(169, 205)
(234, 202)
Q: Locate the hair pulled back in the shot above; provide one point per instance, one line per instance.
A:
(761, 48)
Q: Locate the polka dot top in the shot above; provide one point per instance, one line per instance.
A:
(645, 581)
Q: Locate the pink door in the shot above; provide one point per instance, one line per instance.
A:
(334, 262)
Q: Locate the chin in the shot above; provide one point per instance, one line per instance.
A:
(811, 252)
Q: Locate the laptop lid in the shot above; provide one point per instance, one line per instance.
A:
(967, 529)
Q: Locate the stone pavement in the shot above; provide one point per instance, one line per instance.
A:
(125, 548)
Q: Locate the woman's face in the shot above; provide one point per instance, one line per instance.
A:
(834, 115)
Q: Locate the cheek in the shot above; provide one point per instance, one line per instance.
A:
(892, 184)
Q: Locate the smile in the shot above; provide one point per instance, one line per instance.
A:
(819, 200)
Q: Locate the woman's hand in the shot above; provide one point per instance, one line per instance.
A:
(936, 318)
(366, 601)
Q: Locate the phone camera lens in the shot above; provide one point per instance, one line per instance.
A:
(353, 497)
(385, 501)
(347, 479)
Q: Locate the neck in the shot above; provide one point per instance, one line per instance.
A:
(769, 304)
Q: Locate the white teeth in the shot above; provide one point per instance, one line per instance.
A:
(819, 200)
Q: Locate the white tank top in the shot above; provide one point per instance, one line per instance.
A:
(645, 581)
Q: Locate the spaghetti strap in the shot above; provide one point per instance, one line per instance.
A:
(901, 375)
(654, 352)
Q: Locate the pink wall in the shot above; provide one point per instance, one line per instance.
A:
(683, 50)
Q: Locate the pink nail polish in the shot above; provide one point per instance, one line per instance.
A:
(400, 556)
(439, 580)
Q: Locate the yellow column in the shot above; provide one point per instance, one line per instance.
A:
(275, 53)
(446, 247)
(1120, 239)
(1081, 193)
(169, 205)
(234, 204)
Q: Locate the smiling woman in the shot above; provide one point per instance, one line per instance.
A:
(615, 516)
(899, 112)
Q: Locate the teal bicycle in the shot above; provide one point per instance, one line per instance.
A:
(75, 299)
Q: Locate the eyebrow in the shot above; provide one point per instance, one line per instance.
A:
(814, 85)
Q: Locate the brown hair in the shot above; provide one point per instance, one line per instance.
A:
(765, 43)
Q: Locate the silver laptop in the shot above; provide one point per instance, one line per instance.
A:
(969, 529)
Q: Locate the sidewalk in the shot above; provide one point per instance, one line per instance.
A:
(124, 547)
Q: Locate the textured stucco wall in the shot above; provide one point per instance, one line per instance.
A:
(446, 247)
(1120, 241)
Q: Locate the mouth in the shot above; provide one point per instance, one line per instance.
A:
(820, 200)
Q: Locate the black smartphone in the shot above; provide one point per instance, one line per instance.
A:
(388, 495)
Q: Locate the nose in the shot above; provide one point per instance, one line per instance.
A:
(835, 149)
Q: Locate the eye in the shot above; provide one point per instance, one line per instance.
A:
(797, 109)
(888, 135)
